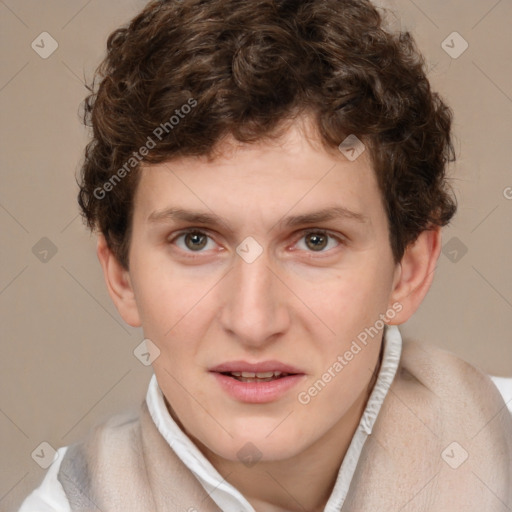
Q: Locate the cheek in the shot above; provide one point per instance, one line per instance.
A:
(350, 307)
(335, 391)
(346, 301)
(176, 316)
(168, 296)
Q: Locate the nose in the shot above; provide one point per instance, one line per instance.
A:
(254, 309)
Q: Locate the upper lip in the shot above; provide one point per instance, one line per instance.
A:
(263, 366)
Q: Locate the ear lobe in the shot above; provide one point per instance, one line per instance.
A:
(415, 274)
(118, 282)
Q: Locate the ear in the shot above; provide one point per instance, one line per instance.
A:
(118, 283)
(414, 274)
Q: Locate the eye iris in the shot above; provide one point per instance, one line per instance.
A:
(319, 241)
(198, 241)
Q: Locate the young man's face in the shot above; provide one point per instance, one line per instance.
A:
(300, 303)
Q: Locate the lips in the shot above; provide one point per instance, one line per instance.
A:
(256, 383)
(257, 391)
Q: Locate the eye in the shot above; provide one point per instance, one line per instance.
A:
(318, 240)
(192, 240)
(195, 240)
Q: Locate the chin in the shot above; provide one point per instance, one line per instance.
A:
(260, 446)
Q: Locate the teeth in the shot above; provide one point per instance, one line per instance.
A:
(258, 375)
(265, 375)
(249, 379)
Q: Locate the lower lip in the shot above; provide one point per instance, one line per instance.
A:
(257, 392)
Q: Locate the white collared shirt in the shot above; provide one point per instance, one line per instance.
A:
(50, 496)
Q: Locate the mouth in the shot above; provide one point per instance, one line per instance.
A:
(264, 371)
(256, 383)
(257, 376)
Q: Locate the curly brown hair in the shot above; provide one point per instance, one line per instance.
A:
(247, 66)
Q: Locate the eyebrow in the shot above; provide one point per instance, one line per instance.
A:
(196, 217)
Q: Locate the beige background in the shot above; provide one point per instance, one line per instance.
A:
(67, 358)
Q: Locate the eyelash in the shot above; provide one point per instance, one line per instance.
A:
(303, 234)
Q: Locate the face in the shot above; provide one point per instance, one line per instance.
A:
(272, 257)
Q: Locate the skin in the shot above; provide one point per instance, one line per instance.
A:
(295, 303)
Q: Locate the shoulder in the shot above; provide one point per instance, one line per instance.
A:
(456, 387)
(50, 495)
(452, 413)
(114, 428)
(440, 370)
(114, 435)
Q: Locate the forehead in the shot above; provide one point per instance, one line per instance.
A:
(262, 181)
